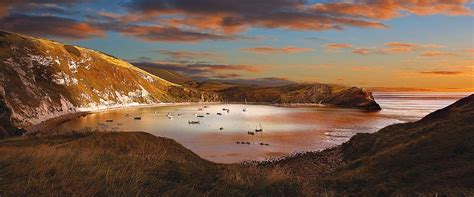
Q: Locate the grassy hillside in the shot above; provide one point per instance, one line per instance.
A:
(168, 75)
(433, 155)
(41, 79)
(126, 164)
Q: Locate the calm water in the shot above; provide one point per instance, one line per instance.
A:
(286, 130)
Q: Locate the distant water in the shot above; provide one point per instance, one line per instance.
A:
(286, 130)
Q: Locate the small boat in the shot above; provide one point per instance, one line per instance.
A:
(225, 109)
(247, 142)
(219, 114)
(200, 116)
(237, 142)
(205, 106)
(250, 133)
(109, 120)
(178, 114)
(193, 122)
(257, 129)
(208, 113)
(222, 128)
(138, 118)
(245, 109)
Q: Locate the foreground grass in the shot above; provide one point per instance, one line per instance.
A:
(124, 164)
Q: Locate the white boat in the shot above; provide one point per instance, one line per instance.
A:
(259, 129)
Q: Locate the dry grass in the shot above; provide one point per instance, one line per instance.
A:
(123, 164)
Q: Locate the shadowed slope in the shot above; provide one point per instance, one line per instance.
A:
(433, 155)
(123, 164)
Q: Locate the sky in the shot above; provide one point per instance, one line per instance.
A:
(420, 44)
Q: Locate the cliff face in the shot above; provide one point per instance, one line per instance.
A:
(304, 93)
(355, 98)
(41, 79)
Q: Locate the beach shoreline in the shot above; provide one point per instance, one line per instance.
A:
(48, 126)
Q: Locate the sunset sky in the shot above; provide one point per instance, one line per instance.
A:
(369, 43)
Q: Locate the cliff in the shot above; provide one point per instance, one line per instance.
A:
(42, 79)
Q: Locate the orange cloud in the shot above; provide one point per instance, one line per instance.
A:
(388, 9)
(442, 72)
(362, 51)
(436, 54)
(51, 26)
(397, 47)
(337, 46)
(268, 49)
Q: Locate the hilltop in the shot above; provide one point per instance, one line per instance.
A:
(309, 93)
(41, 79)
(433, 156)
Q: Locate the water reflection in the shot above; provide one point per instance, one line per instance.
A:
(286, 130)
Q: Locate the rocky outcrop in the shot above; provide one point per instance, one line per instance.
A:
(304, 93)
(355, 98)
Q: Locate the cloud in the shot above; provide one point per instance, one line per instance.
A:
(362, 51)
(220, 72)
(396, 48)
(28, 6)
(388, 9)
(47, 26)
(336, 46)
(220, 20)
(436, 54)
(233, 16)
(188, 54)
(171, 34)
(269, 50)
(469, 50)
(227, 76)
(201, 69)
(441, 72)
(264, 81)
